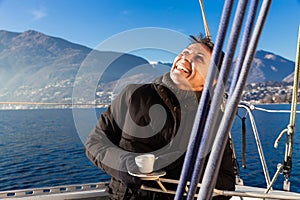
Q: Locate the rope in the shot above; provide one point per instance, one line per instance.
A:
(296, 84)
(207, 32)
(214, 115)
(244, 44)
(290, 130)
(204, 102)
(210, 175)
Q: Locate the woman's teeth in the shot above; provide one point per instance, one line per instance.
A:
(182, 68)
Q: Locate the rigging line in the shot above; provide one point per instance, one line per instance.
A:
(296, 84)
(287, 164)
(204, 101)
(244, 44)
(253, 107)
(273, 111)
(207, 32)
(210, 175)
(214, 115)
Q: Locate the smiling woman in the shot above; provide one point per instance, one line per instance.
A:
(155, 117)
(190, 68)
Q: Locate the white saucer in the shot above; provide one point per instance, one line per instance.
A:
(150, 176)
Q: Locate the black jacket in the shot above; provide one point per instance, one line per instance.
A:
(156, 118)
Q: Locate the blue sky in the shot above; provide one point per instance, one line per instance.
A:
(90, 22)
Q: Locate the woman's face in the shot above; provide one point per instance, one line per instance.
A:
(189, 69)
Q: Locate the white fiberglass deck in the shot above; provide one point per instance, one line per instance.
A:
(97, 192)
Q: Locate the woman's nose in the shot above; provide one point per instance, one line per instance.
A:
(187, 56)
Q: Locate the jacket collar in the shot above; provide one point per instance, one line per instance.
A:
(187, 99)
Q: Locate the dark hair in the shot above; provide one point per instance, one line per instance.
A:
(203, 40)
(207, 42)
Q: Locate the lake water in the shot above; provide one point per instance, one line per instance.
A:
(41, 148)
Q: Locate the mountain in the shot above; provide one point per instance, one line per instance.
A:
(32, 60)
(267, 66)
(39, 68)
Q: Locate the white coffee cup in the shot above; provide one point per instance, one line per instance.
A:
(145, 163)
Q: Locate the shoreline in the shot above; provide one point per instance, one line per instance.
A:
(93, 107)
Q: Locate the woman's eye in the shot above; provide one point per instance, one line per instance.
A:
(200, 58)
(185, 51)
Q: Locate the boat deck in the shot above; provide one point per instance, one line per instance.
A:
(96, 191)
(93, 191)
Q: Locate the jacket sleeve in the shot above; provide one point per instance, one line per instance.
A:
(101, 146)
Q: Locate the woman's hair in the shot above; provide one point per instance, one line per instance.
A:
(207, 42)
(203, 40)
